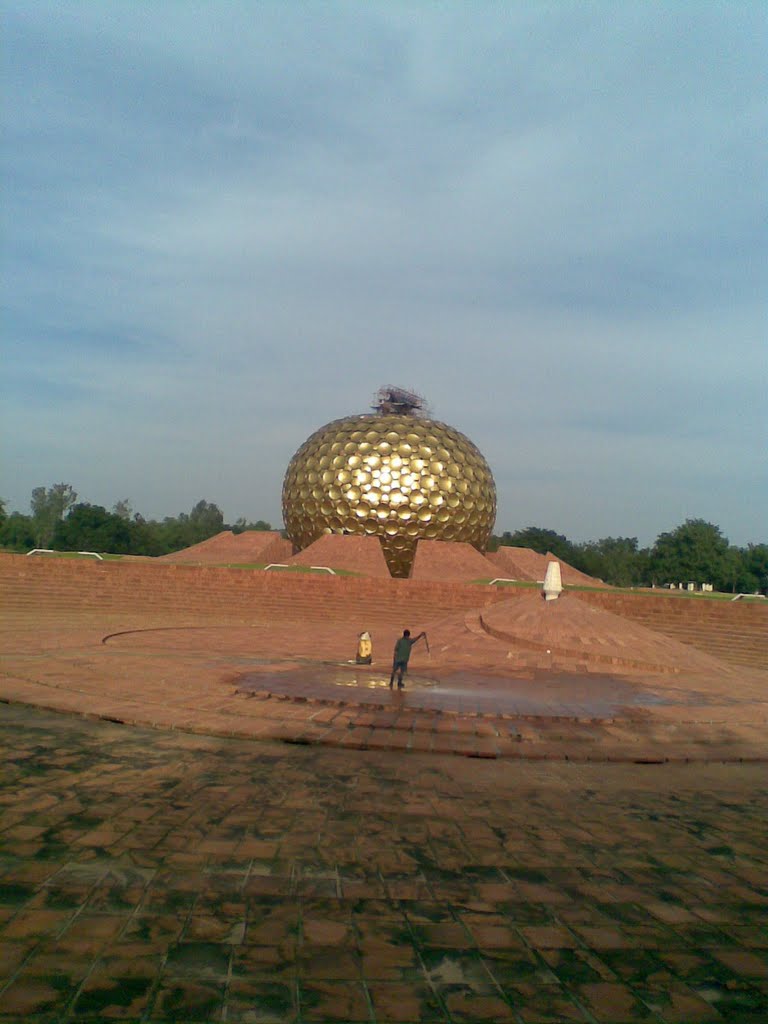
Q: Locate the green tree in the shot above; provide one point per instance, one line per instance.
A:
(205, 520)
(123, 508)
(146, 537)
(542, 540)
(616, 560)
(696, 551)
(182, 531)
(241, 526)
(17, 532)
(753, 577)
(92, 528)
(49, 506)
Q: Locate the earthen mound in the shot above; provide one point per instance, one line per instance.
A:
(520, 563)
(597, 639)
(529, 566)
(450, 560)
(362, 555)
(253, 546)
(574, 577)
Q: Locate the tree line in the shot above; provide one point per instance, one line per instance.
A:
(58, 521)
(694, 551)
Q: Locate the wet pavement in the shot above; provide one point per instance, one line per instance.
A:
(535, 694)
(279, 681)
(155, 876)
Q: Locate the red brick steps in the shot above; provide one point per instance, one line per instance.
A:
(573, 629)
(736, 632)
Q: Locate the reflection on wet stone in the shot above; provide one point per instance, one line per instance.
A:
(206, 879)
(548, 694)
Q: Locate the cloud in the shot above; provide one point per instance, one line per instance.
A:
(226, 226)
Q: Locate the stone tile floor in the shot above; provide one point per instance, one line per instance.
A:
(157, 876)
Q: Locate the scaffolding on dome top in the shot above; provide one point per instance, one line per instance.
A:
(390, 399)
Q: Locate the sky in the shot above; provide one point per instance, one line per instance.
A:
(226, 224)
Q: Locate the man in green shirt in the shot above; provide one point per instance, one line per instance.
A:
(401, 655)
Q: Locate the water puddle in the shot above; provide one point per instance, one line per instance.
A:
(536, 694)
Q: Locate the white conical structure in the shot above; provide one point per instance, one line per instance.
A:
(553, 585)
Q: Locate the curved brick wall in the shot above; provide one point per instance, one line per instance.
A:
(66, 585)
(736, 632)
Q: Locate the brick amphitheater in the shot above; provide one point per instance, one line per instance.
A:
(184, 642)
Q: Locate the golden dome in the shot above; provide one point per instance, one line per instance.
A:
(397, 477)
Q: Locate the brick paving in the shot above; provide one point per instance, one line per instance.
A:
(269, 680)
(593, 636)
(157, 876)
(354, 871)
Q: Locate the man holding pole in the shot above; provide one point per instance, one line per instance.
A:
(401, 655)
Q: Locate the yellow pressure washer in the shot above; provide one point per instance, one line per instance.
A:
(364, 649)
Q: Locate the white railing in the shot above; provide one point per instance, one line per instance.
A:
(50, 551)
(285, 565)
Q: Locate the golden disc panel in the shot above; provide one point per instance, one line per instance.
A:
(397, 477)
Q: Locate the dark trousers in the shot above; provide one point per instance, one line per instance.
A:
(400, 667)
